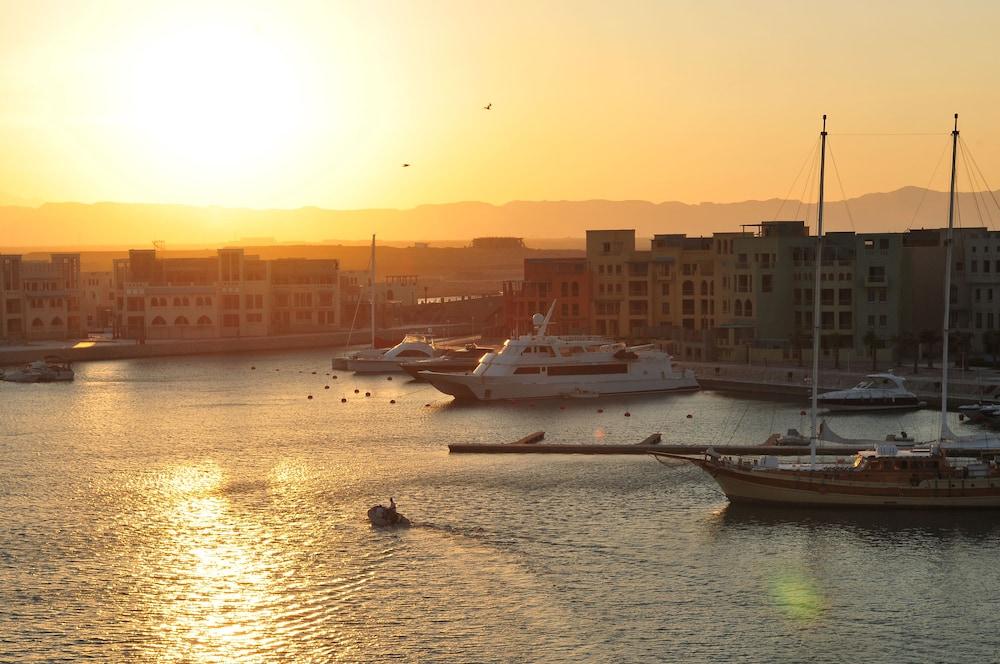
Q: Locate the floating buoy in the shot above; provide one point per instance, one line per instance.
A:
(600, 410)
(309, 397)
(253, 368)
(628, 414)
(357, 391)
(427, 405)
(802, 412)
(388, 377)
(314, 373)
(334, 376)
(326, 387)
(277, 369)
(392, 401)
(368, 394)
(343, 400)
(689, 416)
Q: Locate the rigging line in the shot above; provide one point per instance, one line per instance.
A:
(843, 194)
(981, 175)
(807, 189)
(738, 423)
(889, 133)
(930, 181)
(357, 306)
(972, 186)
(808, 160)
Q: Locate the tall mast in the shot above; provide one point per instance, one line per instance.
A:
(947, 285)
(371, 292)
(814, 433)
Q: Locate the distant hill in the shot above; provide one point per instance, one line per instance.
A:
(126, 224)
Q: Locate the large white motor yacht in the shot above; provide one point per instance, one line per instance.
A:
(413, 347)
(540, 365)
(880, 391)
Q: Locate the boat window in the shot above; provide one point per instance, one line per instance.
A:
(588, 369)
(541, 350)
(528, 370)
(569, 351)
(863, 385)
(412, 353)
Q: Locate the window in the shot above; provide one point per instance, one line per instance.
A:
(159, 321)
(826, 297)
(687, 308)
(564, 289)
(882, 320)
(665, 288)
(665, 308)
(230, 302)
(204, 320)
(738, 308)
(845, 296)
(747, 308)
(230, 320)
(303, 315)
(826, 320)
(844, 321)
(767, 283)
(180, 320)
(687, 288)
(259, 318)
(575, 289)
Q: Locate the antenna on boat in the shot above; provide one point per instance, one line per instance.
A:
(947, 285)
(813, 431)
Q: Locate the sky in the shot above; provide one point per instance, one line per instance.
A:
(290, 104)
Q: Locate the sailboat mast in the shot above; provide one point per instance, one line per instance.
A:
(947, 284)
(814, 432)
(371, 293)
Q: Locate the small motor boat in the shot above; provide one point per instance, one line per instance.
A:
(386, 517)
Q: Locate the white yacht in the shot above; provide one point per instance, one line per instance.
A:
(49, 370)
(540, 365)
(412, 347)
(880, 391)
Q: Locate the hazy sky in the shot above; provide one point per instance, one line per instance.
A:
(285, 104)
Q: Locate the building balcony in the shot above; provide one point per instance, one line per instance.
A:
(876, 280)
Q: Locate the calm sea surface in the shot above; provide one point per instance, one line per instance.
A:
(193, 509)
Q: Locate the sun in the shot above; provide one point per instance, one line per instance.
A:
(214, 99)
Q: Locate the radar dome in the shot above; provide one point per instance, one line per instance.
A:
(537, 320)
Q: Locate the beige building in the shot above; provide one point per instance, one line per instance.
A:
(97, 303)
(227, 295)
(41, 299)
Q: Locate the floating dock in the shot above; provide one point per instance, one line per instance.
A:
(530, 445)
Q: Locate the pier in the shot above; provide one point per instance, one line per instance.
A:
(530, 445)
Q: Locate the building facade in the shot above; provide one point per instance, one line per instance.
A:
(41, 299)
(565, 281)
(227, 295)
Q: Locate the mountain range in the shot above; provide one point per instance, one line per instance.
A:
(136, 224)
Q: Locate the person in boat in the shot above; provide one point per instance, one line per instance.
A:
(391, 510)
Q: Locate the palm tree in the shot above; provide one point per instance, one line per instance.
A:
(927, 339)
(872, 342)
(905, 344)
(960, 341)
(991, 343)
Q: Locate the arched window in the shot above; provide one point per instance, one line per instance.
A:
(748, 308)
(208, 301)
(159, 321)
(688, 288)
(575, 288)
(56, 321)
(204, 320)
(37, 322)
(389, 294)
(738, 308)
(704, 288)
(180, 320)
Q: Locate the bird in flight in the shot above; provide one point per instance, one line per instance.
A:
(406, 165)
(488, 106)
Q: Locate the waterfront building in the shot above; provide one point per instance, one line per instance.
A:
(97, 300)
(568, 281)
(41, 299)
(226, 295)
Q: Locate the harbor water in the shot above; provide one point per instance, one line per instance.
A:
(204, 509)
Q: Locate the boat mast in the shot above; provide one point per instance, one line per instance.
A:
(947, 285)
(371, 292)
(814, 433)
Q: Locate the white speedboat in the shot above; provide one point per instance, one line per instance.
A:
(411, 348)
(540, 365)
(881, 391)
(49, 370)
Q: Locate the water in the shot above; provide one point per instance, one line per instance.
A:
(193, 509)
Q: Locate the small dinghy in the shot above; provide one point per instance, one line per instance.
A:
(381, 516)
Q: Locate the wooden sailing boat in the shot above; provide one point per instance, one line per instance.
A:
(883, 477)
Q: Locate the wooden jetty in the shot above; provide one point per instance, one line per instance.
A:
(530, 445)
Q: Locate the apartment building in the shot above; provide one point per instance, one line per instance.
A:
(226, 295)
(97, 303)
(41, 299)
(567, 281)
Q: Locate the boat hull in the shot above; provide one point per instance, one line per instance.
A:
(860, 405)
(769, 487)
(469, 387)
